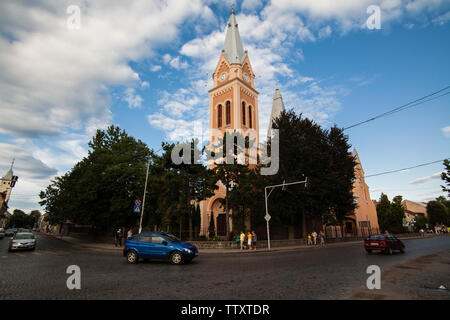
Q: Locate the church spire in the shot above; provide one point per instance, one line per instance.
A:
(277, 108)
(233, 48)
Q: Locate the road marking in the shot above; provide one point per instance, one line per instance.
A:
(37, 253)
(19, 254)
(4, 257)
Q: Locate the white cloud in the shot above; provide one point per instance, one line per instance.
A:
(446, 131)
(443, 19)
(155, 68)
(134, 100)
(434, 176)
(58, 78)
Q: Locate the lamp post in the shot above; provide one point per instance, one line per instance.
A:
(145, 192)
(271, 188)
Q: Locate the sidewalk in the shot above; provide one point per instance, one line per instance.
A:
(110, 247)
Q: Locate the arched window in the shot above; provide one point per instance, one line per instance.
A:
(219, 116)
(250, 124)
(228, 113)
(243, 113)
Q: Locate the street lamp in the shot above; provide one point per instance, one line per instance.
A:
(268, 217)
(145, 192)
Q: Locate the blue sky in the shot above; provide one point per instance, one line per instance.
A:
(146, 66)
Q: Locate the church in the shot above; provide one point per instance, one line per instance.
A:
(7, 183)
(233, 105)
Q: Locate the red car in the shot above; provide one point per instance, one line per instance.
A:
(383, 242)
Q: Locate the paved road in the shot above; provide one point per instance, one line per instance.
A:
(313, 273)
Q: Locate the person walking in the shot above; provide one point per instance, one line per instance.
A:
(249, 237)
(119, 236)
(242, 238)
(254, 238)
(130, 233)
(314, 235)
(322, 238)
(309, 240)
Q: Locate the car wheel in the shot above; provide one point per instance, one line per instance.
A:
(132, 256)
(176, 257)
(402, 250)
(369, 251)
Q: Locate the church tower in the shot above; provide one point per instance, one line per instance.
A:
(7, 182)
(233, 101)
(277, 109)
(233, 105)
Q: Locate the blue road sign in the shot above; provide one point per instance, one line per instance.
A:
(137, 206)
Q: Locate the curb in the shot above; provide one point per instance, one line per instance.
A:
(235, 251)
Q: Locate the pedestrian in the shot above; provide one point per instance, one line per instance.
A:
(322, 238)
(314, 235)
(119, 237)
(249, 237)
(254, 238)
(130, 233)
(242, 238)
(309, 240)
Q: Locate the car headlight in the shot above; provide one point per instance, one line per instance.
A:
(187, 250)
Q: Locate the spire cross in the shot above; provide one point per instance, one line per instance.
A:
(232, 8)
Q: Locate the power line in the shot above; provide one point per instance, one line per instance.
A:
(404, 107)
(420, 165)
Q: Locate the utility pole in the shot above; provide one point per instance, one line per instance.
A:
(145, 192)
(268, 217)
(143, 199)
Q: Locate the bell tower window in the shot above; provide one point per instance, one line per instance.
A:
(228, 113)
(219, 116)
(250, 123)
(243, 113)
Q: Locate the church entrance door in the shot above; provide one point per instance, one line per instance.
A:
(221, 225)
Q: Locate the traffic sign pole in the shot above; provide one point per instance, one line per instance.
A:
(143, 199)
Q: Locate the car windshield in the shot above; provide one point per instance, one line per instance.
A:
(376, 237)
(23, 236)
(171, 237)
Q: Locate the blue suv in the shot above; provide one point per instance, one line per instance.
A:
(159, 245)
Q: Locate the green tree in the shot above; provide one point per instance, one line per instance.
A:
(212, 228)
(446, 177)
(100, 189)
(384, 212)
(421, 222)
(397, 214)
(195, 181)
(437, 213)
(307, 150)
(390, 215)
(19, 219)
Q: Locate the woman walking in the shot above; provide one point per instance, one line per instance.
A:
(249, 237)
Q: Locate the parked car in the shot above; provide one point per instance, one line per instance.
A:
(158, 245)
(2, 233)
(383, 242)
(22, 241)
(9, 232)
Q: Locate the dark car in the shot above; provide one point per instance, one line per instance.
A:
(22, 241)
(158, 245)
(10, 232)
(383, 242)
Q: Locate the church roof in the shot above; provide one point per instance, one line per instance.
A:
(277, 108)
(233, 48)
(9, 175)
